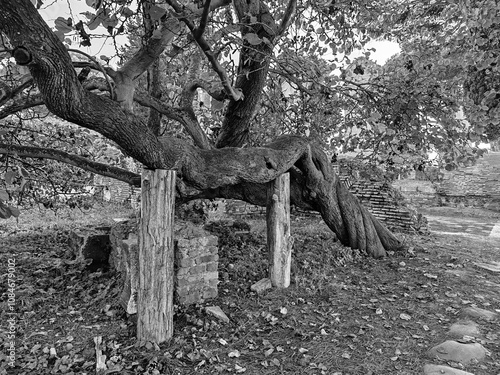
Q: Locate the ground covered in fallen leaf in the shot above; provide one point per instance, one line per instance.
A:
(343, 314)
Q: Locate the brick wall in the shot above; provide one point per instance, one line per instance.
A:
(195, 264)
(417, 192)
(117, 191)
(389, 206)
(381, 199)
(479, 180)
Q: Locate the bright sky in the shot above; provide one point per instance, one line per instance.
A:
(384, 51)
(73, 9)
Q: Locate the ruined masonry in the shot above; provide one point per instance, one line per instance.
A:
(387, 205)
(195, 267)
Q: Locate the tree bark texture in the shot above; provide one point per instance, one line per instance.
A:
(155, 308)
(252, 72)
(279, 240)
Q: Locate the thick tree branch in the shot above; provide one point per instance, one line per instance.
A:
(75, 160)
(287, 17)
(180, 114)
(204, 19)
(24, 102)
(99, 67)
(126, 77)
(233, 93)
(155, 45)
(20, 104)
(252, 71)
(8, 93)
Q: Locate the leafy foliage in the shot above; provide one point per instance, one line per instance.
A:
(48, 182)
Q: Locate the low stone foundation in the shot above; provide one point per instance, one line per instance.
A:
(196, 263)
(91, 244)
(389, 206)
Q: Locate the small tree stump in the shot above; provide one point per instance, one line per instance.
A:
(155, 310)
(279, 240)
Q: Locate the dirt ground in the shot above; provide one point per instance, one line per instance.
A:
(343, 314)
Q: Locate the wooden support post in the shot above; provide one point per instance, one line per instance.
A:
(279, 240)
(155, 307)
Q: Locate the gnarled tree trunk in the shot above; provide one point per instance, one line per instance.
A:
(230, 172)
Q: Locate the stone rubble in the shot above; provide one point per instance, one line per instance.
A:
(261, 285)
(457, 352)
(443, 370)
(468, 350)
(217, 312)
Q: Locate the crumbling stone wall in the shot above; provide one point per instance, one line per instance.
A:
(381, 199)
(389, 206)
(196, 265)
(195, 268)
(476, 185)
(116, 191)
(417, 192)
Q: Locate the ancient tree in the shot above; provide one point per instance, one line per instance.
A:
(228, 167)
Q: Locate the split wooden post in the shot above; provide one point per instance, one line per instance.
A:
(279, 240)
(155, 307)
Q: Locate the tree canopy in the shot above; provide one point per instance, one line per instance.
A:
(231, 94)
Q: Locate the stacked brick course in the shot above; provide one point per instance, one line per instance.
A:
(195, 265)
(476, 186)
(387, 205)
(383, 201)
(117, 191)
(417, 192)
(481, 180)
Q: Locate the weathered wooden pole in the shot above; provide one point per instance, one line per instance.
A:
(155, 307)
(279, 240)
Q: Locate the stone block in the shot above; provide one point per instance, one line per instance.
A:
(212, 266)
(211, 275)
(458, 352)
(261, 286)
(210, 293)
(217, 312)
(206, 258)
(193, 282)
(200, 268)
(91, 243)
(186, 262)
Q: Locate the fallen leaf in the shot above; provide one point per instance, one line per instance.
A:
(268, 352)
(405, 316)
(239, 369)
(234, 354)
